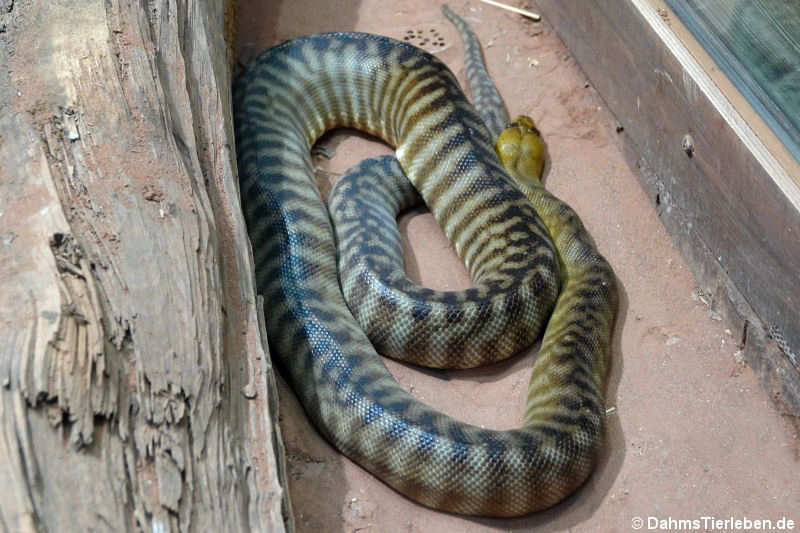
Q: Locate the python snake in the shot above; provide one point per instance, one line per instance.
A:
(284, 101)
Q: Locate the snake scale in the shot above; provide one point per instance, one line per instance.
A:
(284, 101)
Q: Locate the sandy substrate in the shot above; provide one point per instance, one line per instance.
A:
(691, 433)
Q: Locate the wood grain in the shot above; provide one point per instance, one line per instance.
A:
(137, 390)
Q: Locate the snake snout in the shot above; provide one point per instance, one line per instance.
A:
(522, 151)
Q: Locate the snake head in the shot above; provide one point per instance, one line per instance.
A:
(522, 151)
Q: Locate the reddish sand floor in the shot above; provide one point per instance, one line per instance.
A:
(691, 433)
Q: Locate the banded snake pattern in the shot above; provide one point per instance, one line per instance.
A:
(283, 102)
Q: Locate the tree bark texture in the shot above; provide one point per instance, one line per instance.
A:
(135, 378)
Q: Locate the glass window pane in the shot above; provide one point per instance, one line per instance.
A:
(756, 43)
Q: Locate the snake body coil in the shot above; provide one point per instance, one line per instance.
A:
(287, 98)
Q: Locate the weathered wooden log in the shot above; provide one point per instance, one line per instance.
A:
(136, 383)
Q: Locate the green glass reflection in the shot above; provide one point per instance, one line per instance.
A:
(756, 43)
